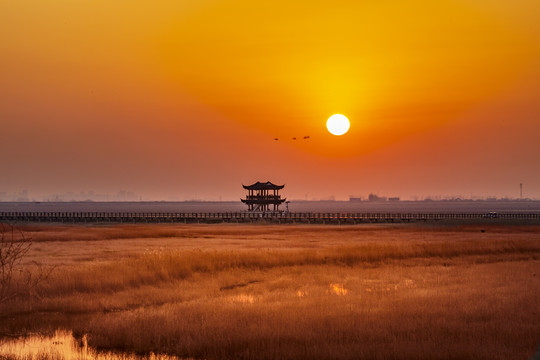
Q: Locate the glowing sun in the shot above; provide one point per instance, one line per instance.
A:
(338, 124)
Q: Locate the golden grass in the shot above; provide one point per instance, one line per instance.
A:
(288, 292)
(63, 346)
(68, 245)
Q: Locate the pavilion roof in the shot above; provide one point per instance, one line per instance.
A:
(263, 186)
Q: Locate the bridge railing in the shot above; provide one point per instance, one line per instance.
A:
(251, 216)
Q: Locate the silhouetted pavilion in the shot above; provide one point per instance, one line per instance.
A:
(262, 195)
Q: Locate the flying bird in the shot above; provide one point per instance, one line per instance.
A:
(295, 138)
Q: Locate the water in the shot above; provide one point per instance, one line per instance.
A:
(295, 206)
(63, 346)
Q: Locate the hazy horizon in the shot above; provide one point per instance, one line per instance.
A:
(130, 196)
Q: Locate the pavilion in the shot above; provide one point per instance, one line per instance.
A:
(262, 195)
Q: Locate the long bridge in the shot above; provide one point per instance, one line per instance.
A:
(256, 217)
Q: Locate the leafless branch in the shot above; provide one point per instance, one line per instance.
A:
(16, 279)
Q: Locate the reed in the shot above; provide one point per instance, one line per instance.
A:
(298, 292)
(63, 346)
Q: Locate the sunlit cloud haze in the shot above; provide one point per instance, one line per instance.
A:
(183, 99)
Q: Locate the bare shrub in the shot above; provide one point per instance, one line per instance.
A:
(16, 279)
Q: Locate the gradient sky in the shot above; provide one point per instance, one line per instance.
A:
(182, 99)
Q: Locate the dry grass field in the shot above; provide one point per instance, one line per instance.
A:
(283, 292)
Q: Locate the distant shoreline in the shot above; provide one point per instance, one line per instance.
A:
(292, 200)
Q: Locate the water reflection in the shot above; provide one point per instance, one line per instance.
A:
(63, 346)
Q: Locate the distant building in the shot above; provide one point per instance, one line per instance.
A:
(263, 195)
(373, 197)
(393, 198)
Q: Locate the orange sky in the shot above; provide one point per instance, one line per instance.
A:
(182, 99)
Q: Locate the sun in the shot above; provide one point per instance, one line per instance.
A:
(338, 124)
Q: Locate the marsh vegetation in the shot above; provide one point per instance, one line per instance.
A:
(288, 292)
